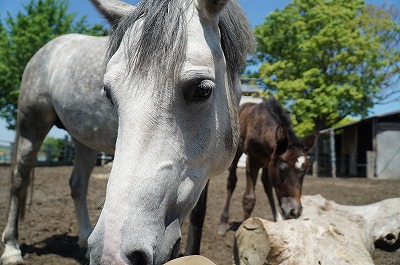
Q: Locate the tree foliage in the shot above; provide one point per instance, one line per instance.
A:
(326, 60)
(21, 36)
(57, 150)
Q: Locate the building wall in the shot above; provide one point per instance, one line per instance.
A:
(370, 147)
(388, 154)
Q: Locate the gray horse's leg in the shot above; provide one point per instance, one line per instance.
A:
(85, 160)
(29, 140)
(230, 187)
(196, 221)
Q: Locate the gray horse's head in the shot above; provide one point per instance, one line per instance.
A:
(173, 75)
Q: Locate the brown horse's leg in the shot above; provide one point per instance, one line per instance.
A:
(268, 189)
(231, 185)
(249, 197)
(196, 219)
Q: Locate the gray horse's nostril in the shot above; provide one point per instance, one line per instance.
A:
(137, 257)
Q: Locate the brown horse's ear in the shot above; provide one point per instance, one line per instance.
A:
(310, 140)
(282, 140)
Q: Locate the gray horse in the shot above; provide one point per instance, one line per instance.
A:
(170, 71)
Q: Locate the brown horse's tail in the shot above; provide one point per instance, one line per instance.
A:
(13, 166)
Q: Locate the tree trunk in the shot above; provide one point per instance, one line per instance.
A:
(326, 233)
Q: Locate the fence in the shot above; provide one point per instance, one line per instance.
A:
(48, 155)
(6, 151)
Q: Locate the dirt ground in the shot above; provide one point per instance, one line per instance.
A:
(49, 233)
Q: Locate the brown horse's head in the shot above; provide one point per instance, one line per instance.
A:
(287, 168)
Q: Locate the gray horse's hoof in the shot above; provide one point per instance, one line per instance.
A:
(12, 260)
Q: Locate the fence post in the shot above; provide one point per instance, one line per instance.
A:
(66, 155)
(47, 151)
(333, 152)
(315, 165)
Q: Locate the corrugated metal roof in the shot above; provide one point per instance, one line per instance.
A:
(247, 88)
(388, 114)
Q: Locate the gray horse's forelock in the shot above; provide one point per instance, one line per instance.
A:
(162, 43)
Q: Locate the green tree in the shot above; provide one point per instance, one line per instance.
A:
(22, 36)
(57, 147)
(326, 60)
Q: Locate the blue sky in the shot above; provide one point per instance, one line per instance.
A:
(256, 10)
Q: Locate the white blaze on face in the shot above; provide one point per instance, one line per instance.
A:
(300, 162)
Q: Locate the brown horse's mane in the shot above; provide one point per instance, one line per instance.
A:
(283, 119)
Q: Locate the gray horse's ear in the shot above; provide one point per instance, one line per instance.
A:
(112, 10)
(212, 7)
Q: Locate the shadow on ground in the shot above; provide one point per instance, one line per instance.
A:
(61, 245)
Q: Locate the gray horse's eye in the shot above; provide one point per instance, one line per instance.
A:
(198, 90)
(203, 89)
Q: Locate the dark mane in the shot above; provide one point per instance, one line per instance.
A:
(237, 38)
(162, 43)
(280, 115)
(283, 119)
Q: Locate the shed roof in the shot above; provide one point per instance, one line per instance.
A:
(250, 88)
(393, 115)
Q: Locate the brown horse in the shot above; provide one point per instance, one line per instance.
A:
(268, 140)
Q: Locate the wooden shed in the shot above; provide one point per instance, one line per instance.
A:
(367, 148)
